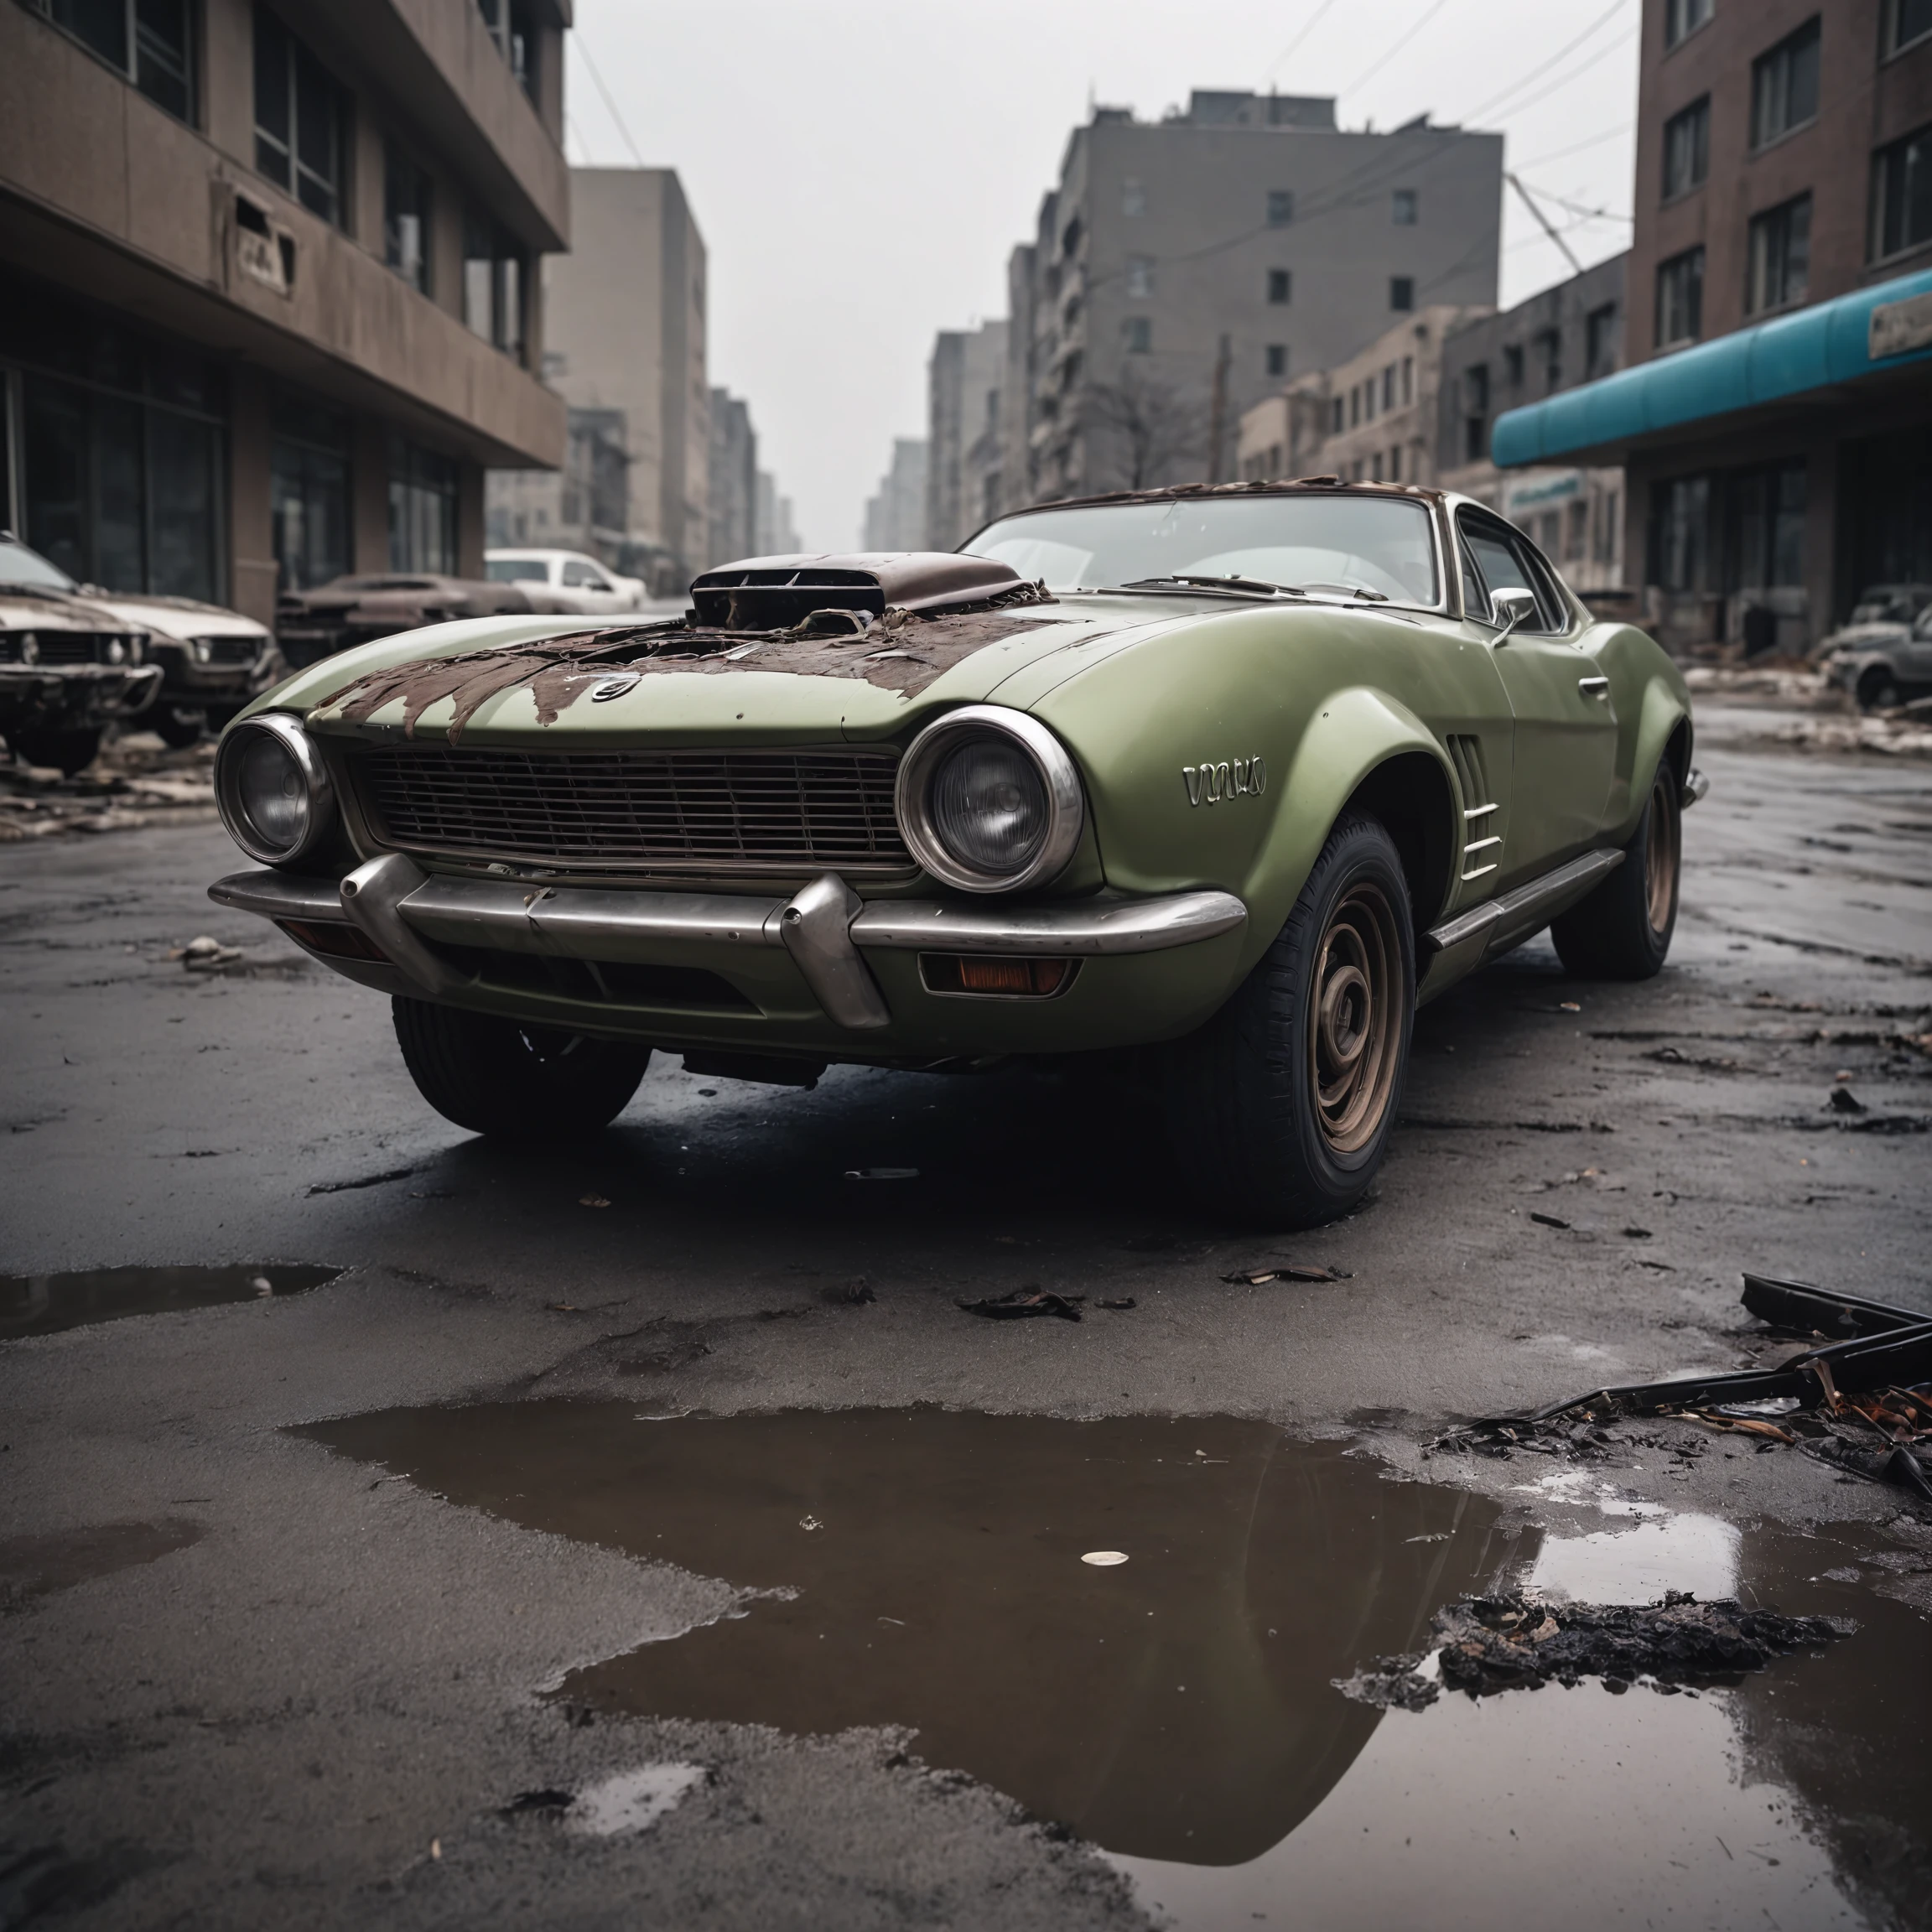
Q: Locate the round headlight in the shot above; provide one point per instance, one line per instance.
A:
(273, 789)
(989, 800)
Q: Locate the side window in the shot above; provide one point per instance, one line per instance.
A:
(1507, 563)
(582, 577)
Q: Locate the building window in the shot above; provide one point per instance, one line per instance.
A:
(1780, 256)
(1403, 207)
(1513, 364)
(1401, 292)
(1767, 527)
(1137, 334)
(1280, 286)
(1905, 22)
(1139, 277)
(1277, 357)
(308, 492)
(148, 42)
(1599, 341)
(1687, 149)
(298, 116)
(511, 24)
(493, 284)
(1133, 198)
(1395, 463)
(1388, 388)
(1680, 533)
(1682, 17)
(421, 509)
(1355, 406)
(1408, 379)
(1784, 85)
(1550, 358)
(1681, 298)
(406, 219)
(1902, 193)
(120, 439)
(1575, 535)
(1280, 207)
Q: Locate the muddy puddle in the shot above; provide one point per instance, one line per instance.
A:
(1178, 1708)
(44, 1304)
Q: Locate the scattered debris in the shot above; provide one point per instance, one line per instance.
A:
(1118, 1302)
(1568, 1006)
(881, 1173)
(633, 1800)
(1843, 1100)
(1548, 1220)
(1285, 1271)
(1510, 1642)
(809, 1523)
(592, 1201)
(552, 1804)
(204, 954)
(1024, 1302)
(853, 1294)
(1105, 1558)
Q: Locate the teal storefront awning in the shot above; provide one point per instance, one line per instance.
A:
(1886, 327)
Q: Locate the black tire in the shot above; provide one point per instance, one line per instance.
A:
(68, 751)
(1878, 690)
(1622, 929)
(178, 726)
(1254, 1128)
(513, 1082)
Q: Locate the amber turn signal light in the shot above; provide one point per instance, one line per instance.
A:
(994, 976)
(336, 941)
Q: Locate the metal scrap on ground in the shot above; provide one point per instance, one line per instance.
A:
(1022, 1302)
(1285, 1271)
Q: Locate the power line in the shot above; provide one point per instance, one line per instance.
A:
(584, 48)
(1313, 21)
(1400, 46)
(1563, 53)
(1577, 148)
(1542, 223)
(1573, 207)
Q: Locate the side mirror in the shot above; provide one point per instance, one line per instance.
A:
(1514, 607)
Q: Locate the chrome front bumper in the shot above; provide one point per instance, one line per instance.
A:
(825, 928)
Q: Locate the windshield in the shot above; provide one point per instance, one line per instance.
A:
(29, 569)
(1381, 544)
(518, 570)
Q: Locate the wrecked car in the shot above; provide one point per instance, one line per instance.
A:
(1222, 780)
(68, 665)
(565, 580)
(1884, 663)
(311, 624)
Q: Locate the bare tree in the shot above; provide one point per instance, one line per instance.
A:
(1152, 428)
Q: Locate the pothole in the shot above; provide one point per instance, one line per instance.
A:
(44, 1304)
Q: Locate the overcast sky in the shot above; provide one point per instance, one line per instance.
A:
(860, 168)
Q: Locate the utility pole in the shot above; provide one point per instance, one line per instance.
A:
(1542, 223)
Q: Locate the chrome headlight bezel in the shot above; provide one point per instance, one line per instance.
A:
(289, 733)
(1065, 803)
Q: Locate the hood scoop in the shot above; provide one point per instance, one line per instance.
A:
(778, 592)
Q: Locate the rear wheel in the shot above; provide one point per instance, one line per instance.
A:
(178, 726)
(1878, 690)
(517, 1082)
(1622, 929)
(1281, 1106)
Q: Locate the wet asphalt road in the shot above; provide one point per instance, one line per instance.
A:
(305, 1692)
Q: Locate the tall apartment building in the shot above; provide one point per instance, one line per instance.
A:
(734, 481)
(1774, 418)
(267, 302)
(1183, 269)
(625, 316)
(895, 517)
(1555, 341)
(964, 484)
(774, 533)
(1372, 416)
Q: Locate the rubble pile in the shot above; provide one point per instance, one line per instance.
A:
(137, 782)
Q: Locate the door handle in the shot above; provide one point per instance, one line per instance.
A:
(1596, 687)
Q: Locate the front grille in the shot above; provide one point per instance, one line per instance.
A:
(70, 647)
(690, 811)
(233, 650)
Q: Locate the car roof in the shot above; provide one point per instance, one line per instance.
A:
(515, 552)
(1295, 486)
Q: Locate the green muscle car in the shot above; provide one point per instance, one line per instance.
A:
(1221, 781)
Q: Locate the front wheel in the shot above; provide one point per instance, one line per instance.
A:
(1622, 929)
(1878, 690)
(69, 750)
(178, 726)
(514, 1082)
(1280, 1107)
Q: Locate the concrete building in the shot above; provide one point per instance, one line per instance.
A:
(267, 306)
(1372, 416)
(1774, 418)
(963, 479)
(625, 316)
(776, 534)
(1555, 342)
(895, 517)
(1183, 269)
(734, 481)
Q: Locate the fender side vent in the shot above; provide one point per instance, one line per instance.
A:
(1481, 844)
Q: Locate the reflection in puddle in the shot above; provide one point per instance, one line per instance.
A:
(1177, 1706)
(38, 1565)
(1178, 1709)
(43, 1304)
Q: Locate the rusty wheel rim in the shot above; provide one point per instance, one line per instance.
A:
(1354, 1019)
(1660, 853)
